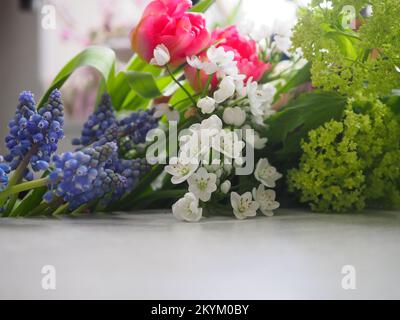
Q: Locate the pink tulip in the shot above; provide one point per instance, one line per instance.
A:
(167, 22)
(246, 56)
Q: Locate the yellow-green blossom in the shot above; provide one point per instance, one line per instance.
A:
(351, 164)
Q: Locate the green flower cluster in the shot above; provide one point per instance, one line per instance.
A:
(353, 163)
(365, 59)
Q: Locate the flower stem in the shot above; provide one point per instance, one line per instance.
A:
(180, 85)
(210, 77)
(38, 210)
(15, 179)
(23, 187)
(60, 210)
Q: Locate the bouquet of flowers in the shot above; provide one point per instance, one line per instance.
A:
(210, 121)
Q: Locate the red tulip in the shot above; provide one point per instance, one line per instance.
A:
(167, 22)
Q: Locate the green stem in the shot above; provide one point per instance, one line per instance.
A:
(82, 208)
(180, 85)
(60, 210)
(236, 102)
(23, 187)
(205, 90)
(15, 179)
(183, 100)
(39, 210)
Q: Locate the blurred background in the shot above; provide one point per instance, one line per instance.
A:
(34, 46)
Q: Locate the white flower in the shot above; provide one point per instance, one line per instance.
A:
(187, 208)
(268, 93)
(266, 174)
(220, 61)
(181, 169)
(228, 143)
(259, 143)
(234, 116)
(198, 143)
(254, 138)
(266, 200)
(213, 123)
(257, 33)
(164, 109)
(283, 43)
(190, 148)
(226, 187)
(226, 89)
(206, 105)
(259, 97)
(212, 167)
(241, 90)
(243, 205)
(161, 56)
(202, 184)
(194, 62)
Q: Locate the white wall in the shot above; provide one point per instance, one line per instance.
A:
(19, 59)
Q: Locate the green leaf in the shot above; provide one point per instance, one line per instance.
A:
(202, 6)
(31, 201)
(143, 83)
(292, 123)
(100, 58)
(180, 94)
(300, 77)
(345, 44)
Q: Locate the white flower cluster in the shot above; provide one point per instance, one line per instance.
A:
(210, 150)
(272, 38)
(246, 99)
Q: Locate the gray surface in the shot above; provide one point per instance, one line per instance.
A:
(152, 256)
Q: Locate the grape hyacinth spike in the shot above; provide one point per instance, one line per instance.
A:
(98, 123)
(35, 134)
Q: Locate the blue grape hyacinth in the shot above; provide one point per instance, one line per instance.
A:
(89, 174)
(93, 173)
(102, 127)
(4, 171)
(34, 135)
(98, 123)
(137, 125)
(131, 170)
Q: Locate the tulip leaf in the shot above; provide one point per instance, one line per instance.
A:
(100, 58)
(143, 83)
(287, 128)
(202, 6)
(30, 201)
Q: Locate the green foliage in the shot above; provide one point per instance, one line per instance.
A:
(353, 163)
(100, 58)
(286, 128)
(361, 61)
(202, 6)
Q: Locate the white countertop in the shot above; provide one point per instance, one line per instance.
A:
(153, 256)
